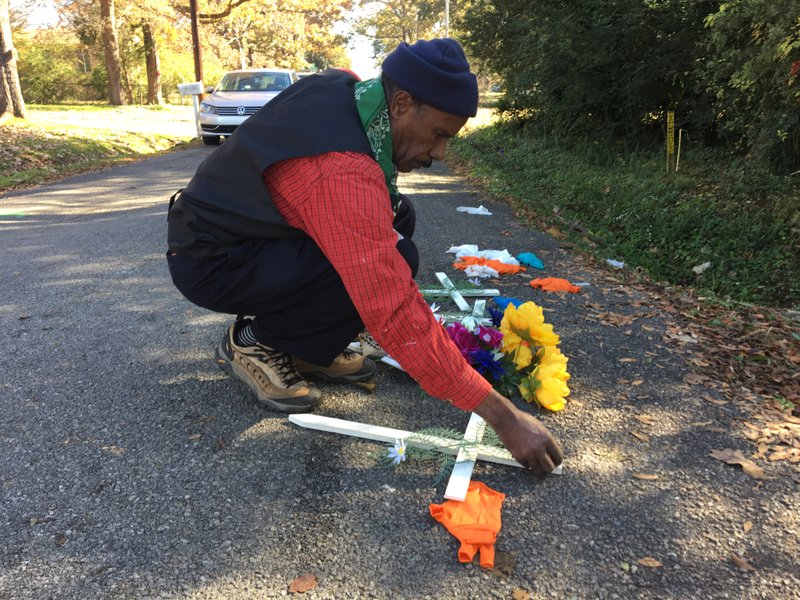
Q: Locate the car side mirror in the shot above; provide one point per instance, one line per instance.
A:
(209, 89)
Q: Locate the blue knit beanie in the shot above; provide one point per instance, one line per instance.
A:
(435, 72)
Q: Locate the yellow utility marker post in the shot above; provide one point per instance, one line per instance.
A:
(670, 141)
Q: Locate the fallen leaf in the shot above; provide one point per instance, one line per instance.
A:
(682, 338)
(780, 455)
(627, 360)
(742, 563)
(646, 476)
(303, 584)
(194, 437)
(520, 594)
(115, 450)
(713, 400)
(747, 526)
(637, 382)
(504, 563)
(640, 436)
(644, 419)
(694, 378)
(649, 561)
(204, 419)
(735, 457)
(61, 539)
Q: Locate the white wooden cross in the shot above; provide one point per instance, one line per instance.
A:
(466, 453)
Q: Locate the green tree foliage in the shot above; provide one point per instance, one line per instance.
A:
(294, 34)
(252, 33)
(49, 66)
(603, 68)
(389, 22)
(753, 70)
(609, 70)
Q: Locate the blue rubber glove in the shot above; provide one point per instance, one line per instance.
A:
(531, 260)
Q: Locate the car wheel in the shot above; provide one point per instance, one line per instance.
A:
(211, 140)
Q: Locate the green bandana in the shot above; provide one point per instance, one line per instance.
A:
(374, 114)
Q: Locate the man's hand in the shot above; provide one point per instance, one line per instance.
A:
(529, 442)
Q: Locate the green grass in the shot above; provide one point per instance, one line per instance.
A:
(735, 215)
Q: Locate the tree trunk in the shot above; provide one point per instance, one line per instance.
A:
(108, 23)
(10, 93)
(242, 53)
(154, 95)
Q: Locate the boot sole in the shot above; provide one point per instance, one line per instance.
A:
(300, 405)
(366, 373)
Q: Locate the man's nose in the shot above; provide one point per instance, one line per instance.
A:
(437, 153)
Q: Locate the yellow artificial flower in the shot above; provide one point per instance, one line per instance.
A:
(526, 322)
(553, 361)
(523, 356)
(551, 376)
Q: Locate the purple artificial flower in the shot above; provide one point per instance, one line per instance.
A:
(465, 340)
(490, 337)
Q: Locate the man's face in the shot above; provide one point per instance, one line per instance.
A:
(419, 132)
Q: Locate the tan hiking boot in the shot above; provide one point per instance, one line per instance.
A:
(268, 373)
(348, 367)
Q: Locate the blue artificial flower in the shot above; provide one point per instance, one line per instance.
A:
(504, 301)
(486, 364)
(496, 315)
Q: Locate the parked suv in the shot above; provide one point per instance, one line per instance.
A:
(238, 95)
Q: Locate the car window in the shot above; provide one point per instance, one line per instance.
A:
(254, 82)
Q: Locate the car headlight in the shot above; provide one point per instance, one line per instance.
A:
(208, 108)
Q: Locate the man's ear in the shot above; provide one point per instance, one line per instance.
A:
(401, 103)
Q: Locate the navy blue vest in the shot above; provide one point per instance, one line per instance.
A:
(227, 202)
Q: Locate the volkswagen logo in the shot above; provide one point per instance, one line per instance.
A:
(240, 110)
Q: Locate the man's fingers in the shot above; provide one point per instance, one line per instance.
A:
(554, 450)
(534, 466)
(531, 462)
(545, 463)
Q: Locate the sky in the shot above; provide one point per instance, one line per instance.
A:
(361, 56)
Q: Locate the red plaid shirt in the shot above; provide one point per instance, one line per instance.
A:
(340, 200)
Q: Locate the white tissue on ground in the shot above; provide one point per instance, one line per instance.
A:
(617, 264)
(504, 256)
(480, 271)
(480, 210)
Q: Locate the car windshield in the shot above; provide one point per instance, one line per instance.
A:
(254, 82)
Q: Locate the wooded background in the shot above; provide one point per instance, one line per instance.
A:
(604, 71)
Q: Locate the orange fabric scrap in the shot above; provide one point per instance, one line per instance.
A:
(475, 522)
(554, 284)
(500, 267)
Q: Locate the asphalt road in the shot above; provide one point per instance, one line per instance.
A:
(132, 467)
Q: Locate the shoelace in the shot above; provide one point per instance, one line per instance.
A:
(282, 363)
(366, 336)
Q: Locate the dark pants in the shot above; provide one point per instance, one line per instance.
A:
(299, 302)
